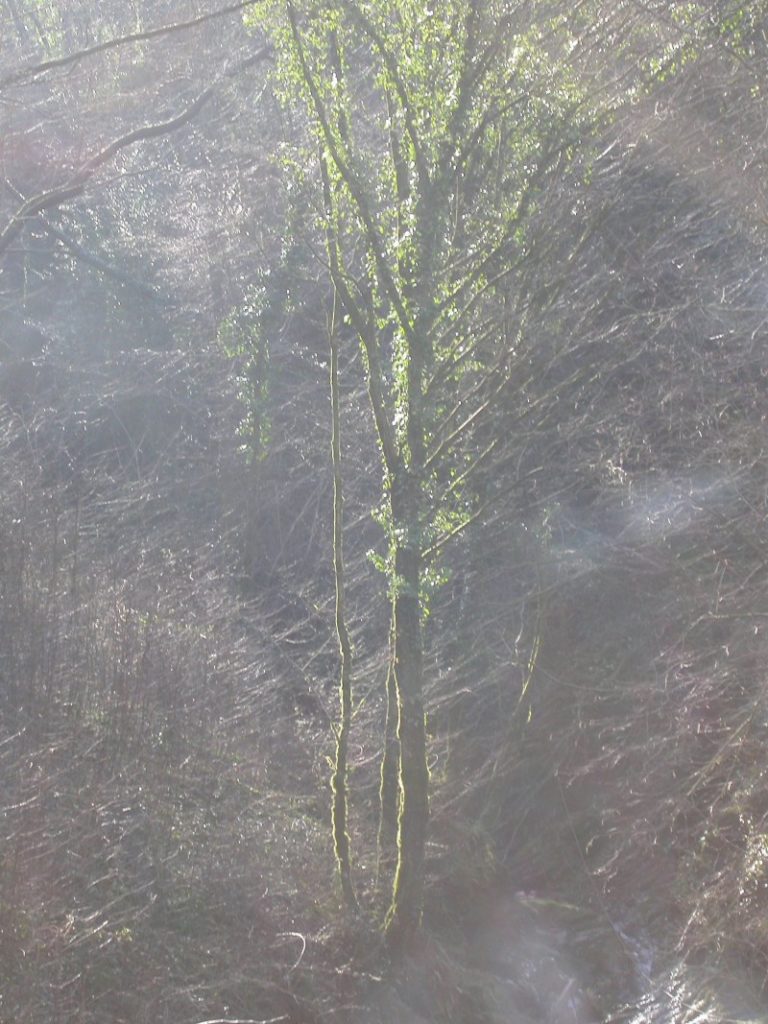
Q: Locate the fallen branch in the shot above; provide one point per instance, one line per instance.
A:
(100, 264)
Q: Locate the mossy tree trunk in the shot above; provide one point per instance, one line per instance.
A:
(435, 127)
(339, 778)
(405, 910)
(389, 787)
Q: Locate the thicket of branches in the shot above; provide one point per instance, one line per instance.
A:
(593, 654)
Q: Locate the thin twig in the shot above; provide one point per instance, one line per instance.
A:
(243, 1020)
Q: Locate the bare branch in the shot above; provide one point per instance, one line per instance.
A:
(75, 187)
(240, 1020)
(31, 70)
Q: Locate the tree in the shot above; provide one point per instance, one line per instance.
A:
(438, 131)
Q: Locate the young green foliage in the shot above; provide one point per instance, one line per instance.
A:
(438, 128)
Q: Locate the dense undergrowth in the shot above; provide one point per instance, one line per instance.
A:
(596, 705)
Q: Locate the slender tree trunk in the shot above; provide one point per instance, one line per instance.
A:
(389, 790)
(339, 778)
(405, 912)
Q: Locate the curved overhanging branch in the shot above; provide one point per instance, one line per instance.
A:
(55, 197)
(32, 70)
(76, 185)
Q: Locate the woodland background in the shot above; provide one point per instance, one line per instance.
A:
(595, 632)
